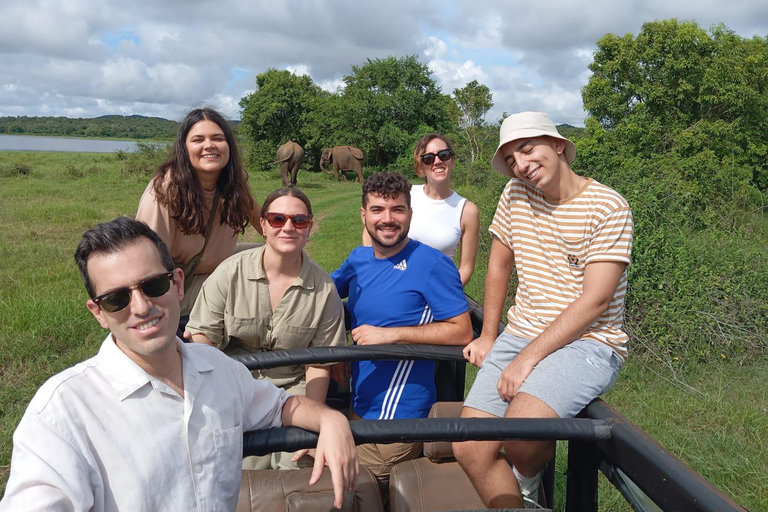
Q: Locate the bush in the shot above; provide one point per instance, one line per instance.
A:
(16, 169)
(144, 160)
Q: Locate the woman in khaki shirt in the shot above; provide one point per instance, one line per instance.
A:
(178, 200)
(274, 297)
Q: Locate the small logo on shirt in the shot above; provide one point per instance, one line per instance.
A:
(573, 261)
(401, 266)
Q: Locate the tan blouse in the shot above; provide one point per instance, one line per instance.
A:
(183, 247)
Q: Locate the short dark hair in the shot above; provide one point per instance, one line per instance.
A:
(387, 184)
(286, 191)
(110, 237)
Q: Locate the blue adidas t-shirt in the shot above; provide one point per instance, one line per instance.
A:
(415, 287)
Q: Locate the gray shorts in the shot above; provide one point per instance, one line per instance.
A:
(566, 380)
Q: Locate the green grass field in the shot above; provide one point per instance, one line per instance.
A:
(714, 417)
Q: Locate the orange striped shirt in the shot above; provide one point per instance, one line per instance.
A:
(552, 243)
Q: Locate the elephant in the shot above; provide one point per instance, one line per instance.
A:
(343, 158)
(290, 156)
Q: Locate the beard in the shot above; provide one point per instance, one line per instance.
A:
(387, 243)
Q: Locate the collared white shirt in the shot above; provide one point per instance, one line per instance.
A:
(106, 436)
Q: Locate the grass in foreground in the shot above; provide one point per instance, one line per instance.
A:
(718, 428)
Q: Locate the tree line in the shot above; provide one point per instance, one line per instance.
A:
(112, 126)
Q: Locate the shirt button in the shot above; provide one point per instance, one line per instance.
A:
(198, 469)
(269, 327)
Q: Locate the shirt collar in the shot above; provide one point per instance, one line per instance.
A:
(126, 377)
(255, 269)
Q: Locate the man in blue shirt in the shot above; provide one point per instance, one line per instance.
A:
(400, 291)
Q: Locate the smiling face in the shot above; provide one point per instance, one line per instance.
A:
(538, 161)
(147, 327)
(207, 147)
(387, 221)
(439, 170)
(287, 239)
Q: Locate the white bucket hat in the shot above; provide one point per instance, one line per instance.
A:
(525, 125)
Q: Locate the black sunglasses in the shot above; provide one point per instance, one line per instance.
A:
(278, 220)
(429, 158)
(118, 300)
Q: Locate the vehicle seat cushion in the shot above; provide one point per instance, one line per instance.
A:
(437, 451)
(289, 491)
(421, 485)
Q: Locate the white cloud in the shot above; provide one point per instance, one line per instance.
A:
(149, 57)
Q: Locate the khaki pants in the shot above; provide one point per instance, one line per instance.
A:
(380, 458)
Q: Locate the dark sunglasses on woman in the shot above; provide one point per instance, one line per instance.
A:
(152, 287)
(278, 220)
(429, 158)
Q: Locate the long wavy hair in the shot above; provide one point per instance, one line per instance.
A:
(178, 188)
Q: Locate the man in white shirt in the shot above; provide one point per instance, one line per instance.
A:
(151, 423)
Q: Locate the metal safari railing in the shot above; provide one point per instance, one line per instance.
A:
(600, 439)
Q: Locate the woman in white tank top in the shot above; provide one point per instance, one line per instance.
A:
(441, 217)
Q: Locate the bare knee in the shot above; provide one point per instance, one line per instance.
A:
(476, 454)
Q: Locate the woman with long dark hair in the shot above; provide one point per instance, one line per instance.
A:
(204, 167)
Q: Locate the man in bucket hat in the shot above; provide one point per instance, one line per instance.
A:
(569, 239)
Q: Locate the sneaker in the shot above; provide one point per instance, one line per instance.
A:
(531, 493)
(531, 498)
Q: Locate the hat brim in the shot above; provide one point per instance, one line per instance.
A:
(498, 163)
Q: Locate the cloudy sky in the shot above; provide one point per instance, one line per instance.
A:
(85, 58)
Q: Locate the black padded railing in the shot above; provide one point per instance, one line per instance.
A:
(433, 429)
(320, 355)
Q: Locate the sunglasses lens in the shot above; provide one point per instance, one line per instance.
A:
(118, 300)
(157, 286)
(301, 221)
(115, 301)
(445, 154)
(276, 220)
(428, 158)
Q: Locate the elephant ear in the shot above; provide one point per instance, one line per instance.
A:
(356, 152)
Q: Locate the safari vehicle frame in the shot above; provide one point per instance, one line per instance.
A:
(601, 439)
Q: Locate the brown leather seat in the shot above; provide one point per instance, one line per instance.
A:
(289, 491)
(434, 482)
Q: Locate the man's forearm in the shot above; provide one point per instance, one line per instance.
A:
(456, 331)
(600, 282)
(303, 412)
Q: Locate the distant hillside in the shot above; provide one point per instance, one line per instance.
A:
(118, 127)
(571, 132)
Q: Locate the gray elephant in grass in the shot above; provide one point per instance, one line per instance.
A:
(343, 158)
(290, 156)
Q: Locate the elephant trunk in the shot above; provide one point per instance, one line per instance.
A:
(324, 166)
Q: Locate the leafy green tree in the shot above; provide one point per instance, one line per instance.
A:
(675, 86)
(276, 112)
(386, 105)
(677, 123)
(474, 100)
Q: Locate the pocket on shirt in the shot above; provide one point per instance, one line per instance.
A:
(229, 460)
(295, 336)
(248, 330)
(575, 253)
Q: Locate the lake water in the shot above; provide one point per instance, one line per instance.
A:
(62, 144)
